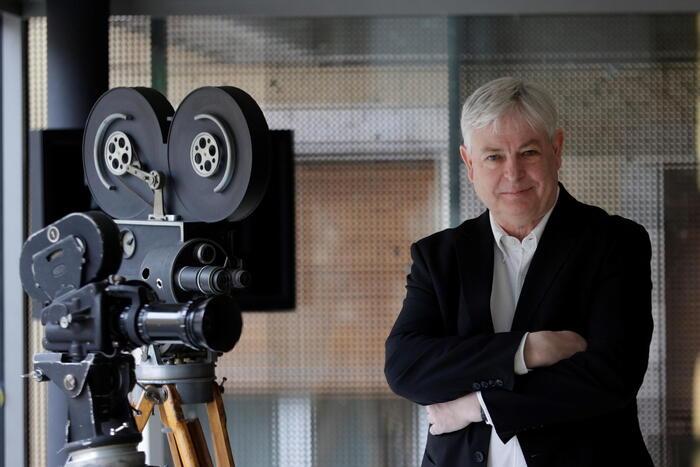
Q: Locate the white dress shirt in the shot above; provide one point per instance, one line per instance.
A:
(511, 260)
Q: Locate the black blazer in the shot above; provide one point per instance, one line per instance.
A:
(590, 274)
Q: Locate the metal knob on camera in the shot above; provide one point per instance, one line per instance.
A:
(212, 280)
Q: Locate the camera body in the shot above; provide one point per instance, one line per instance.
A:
(156, 270)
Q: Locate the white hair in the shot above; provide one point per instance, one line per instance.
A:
(505, 95)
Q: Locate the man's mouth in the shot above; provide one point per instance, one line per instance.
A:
(516, 192)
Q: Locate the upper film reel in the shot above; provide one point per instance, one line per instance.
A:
(127, 127)
(218, 155)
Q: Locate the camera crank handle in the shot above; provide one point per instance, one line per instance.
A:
(155, 183)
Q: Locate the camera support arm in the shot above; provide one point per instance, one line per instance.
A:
(155, 182)
(96, 388)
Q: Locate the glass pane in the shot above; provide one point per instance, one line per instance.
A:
(368, 101)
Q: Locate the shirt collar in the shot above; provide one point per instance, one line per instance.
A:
(536, 233)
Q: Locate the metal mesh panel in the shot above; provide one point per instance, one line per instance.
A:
(37, 403)
(37, 393)
(596, 173)
(367, 100)
(682, 256)
(628, 112)
(354, 222)
(36, 66)
(363, 422)
(129, 51)
(350, 92)
(339, 86)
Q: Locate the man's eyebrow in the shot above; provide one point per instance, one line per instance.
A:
(532, 142)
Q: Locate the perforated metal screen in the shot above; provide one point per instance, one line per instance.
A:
(628, 108)
(37, 393)
(368, 102)
(369, 116)
(615, 158)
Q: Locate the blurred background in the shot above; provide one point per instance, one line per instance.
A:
(372, 94)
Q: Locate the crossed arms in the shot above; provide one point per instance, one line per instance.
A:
(572, 379)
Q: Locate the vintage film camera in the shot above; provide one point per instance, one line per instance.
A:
(155, 274)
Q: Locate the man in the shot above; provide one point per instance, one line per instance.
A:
(526, 330)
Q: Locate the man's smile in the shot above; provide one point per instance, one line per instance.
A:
(516, 192)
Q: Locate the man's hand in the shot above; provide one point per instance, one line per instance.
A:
(454, 415)
(545, 348)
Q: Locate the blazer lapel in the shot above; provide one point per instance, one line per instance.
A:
(474, 248)
(558, 239)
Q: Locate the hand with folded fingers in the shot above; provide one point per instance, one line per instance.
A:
(542, 349)
(454, 415)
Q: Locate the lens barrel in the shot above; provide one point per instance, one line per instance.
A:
(212, 323)
(209, 280)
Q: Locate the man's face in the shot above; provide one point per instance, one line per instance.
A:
(514, 169)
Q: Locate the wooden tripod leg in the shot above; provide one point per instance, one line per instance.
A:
(172, 443)
(172, 417)
(194, 429)
(143, 410)
(200, 443)
(219, 432)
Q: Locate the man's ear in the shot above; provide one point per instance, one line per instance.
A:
(558, 146)
(467, 159)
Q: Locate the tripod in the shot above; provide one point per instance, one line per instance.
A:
(188, 446)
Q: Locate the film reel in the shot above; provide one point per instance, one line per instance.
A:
(126, 130)
(218, 155)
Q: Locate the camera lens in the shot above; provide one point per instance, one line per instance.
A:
(216, 323)
(212, 323)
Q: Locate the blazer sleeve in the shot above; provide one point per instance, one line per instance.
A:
(425, 365)
(608, 375)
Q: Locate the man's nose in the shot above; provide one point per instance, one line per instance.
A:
(513, 168)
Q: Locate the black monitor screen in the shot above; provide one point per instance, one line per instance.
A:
(265, 240)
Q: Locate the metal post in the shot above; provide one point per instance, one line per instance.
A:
(78, 68)
(454, 53)
(78, 73)
(13, 233)
(159, 55)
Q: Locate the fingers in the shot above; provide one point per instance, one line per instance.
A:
(583, 343)
(432, 420)
(534, 352)
(436, 419)
(431, 414)
(444, 418)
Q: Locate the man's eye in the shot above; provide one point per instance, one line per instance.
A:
(530, 152)
(492, 157)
